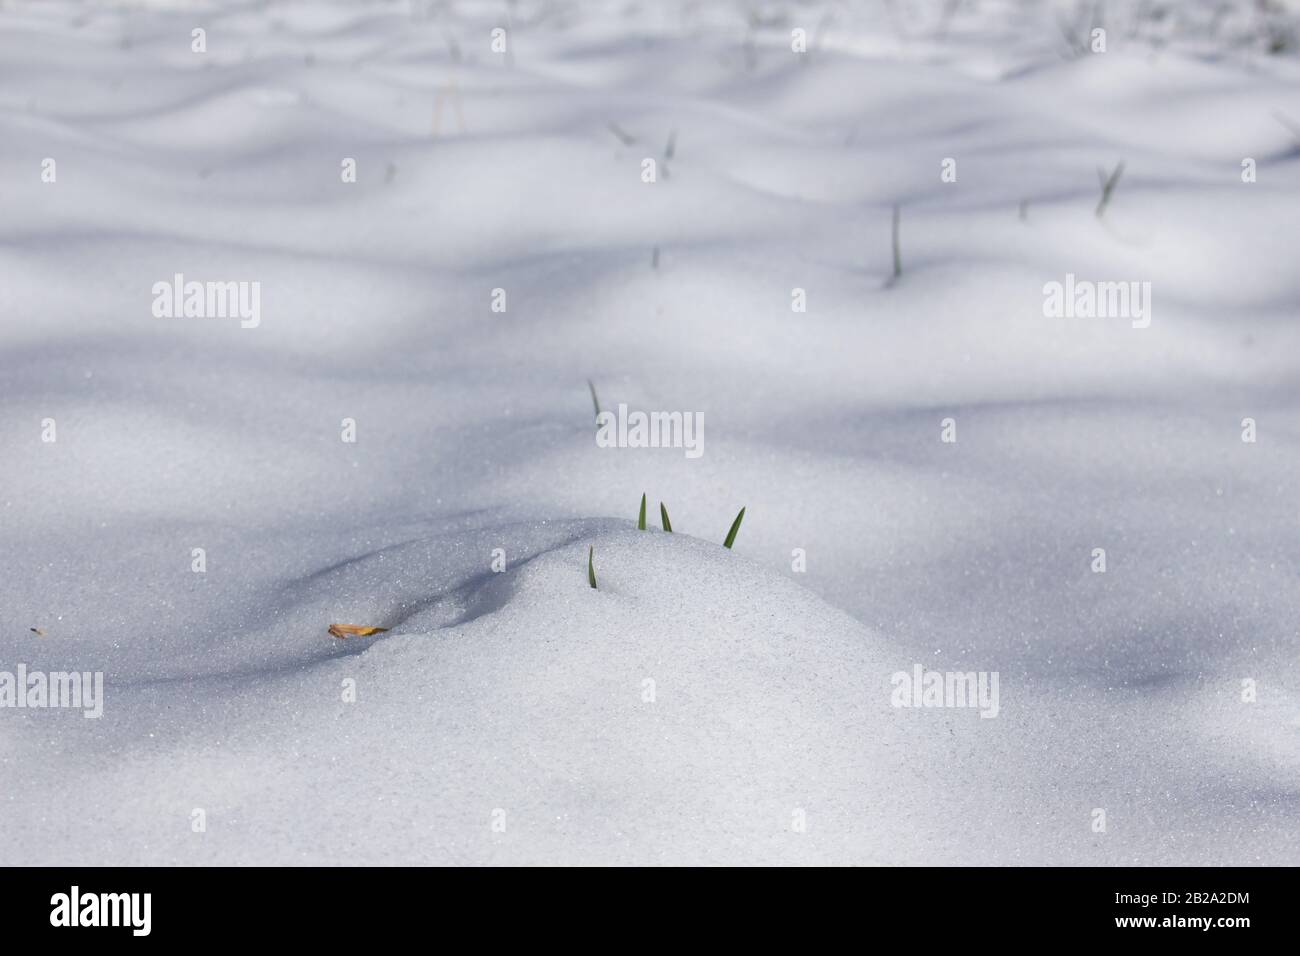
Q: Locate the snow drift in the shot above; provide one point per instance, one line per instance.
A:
(181, 510)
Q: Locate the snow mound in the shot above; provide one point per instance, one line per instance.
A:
(695, 707)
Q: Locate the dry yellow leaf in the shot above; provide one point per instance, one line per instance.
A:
(342, 631)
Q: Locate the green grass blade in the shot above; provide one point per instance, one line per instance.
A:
(663, 516)
(735, 526)
(640, 522)
(1108, 186)
(898, 256)
(591, 566)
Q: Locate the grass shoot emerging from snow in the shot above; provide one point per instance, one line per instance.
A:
(893, 241)
(624, 137)
(663, 518)
(591, 566)
(735, 526)
(640, 521)
(1108, 185)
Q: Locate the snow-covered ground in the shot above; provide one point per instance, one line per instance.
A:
(702, 705)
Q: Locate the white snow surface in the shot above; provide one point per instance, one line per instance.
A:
(503, 718)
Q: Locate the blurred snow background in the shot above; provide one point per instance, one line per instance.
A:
(523, 692)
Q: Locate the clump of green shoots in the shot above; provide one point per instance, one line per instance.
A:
(668, 527)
